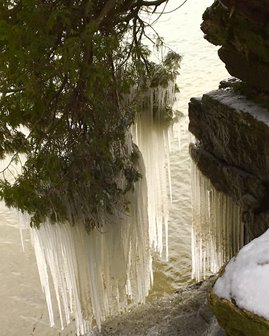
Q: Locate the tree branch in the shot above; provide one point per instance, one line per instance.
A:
(110, 4)
(152, 3)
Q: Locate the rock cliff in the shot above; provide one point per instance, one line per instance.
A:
(231, 126)
(232, 150)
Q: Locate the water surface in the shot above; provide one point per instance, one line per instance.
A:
(201, 71)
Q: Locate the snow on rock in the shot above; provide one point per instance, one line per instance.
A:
(246, 277)
(240, 104)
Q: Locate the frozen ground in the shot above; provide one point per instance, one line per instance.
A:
(183, 314)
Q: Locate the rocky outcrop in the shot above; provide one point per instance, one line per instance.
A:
(231, 126)
(239, 298)
(232, 150)
(234, 128)
(241, 28)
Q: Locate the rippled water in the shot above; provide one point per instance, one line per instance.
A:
(23, 311)
(201, 71)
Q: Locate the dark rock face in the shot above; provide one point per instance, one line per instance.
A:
(232, 150)
(248, 69)
(241, 27)
(245, 189)
(256, 11)
(234, 129)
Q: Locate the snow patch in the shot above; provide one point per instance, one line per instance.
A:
(246, 277)
(240, 104)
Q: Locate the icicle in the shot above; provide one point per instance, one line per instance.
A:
(24, 224)
(151, 141)
(95, 275)
(152, 135)
(217, 232)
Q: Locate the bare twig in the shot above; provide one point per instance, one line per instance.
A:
(173, 10)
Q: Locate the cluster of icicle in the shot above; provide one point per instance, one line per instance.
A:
(99, 274)
(152, 136)
(217, 230)
(96, 275)
(157, 101)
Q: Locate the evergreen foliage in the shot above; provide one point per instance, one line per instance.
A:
(65, 68)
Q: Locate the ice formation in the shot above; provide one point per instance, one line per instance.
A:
(246, 277)
(96, 275)
(217, 231)
(152, 142)
(152, 136)
(157, 101)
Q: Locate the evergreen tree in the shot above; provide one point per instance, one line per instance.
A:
(66, 68)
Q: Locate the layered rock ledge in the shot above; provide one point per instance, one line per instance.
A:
(232, 150)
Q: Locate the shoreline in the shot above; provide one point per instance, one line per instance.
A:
(184, 313)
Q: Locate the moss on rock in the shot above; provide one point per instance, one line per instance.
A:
(236, 321)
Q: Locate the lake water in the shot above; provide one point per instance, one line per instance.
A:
(23, 310)
(201, 71)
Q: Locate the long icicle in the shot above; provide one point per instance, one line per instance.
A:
(95, 275)
(216, 227)
(151, 134)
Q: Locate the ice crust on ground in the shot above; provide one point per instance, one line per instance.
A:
(184, 313)
(217, 230)
(246, 277)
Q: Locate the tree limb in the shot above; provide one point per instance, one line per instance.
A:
(152, 3)
(110, 4)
